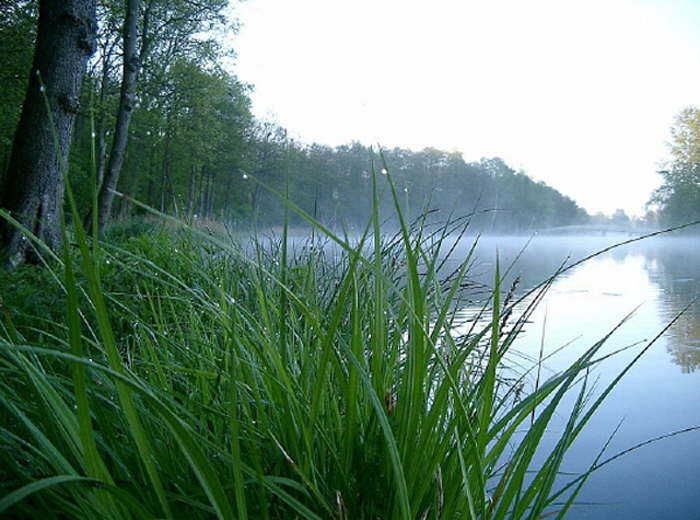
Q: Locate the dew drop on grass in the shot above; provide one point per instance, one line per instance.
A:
(384, 172)
(245, 176)
(42, 88)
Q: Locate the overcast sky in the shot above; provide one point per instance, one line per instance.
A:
(579, 94)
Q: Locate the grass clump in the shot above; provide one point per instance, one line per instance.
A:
(188, 377)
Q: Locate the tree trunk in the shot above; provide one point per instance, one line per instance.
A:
(101, 131)
(164, 181)
(127, 100)
(149, 189)
(226, 213)
(125, 207)
(202, 191)
(190, 196)
(33, 187)
(210, 196)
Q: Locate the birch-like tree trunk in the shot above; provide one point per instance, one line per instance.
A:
(127, 101)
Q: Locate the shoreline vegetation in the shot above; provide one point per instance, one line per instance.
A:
(173, 371)
(168, 372)
(156, 109)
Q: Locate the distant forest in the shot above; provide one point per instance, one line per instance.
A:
(174, 130)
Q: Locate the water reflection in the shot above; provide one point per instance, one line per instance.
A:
(657, 396)
(672, 265)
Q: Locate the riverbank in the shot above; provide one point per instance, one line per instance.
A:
(172, 373)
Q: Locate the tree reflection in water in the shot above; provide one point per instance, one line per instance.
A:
(674, 265)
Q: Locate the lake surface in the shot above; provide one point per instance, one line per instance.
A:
(661, 394)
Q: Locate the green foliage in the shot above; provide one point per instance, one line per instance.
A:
(330, 184)
(678, 198)
(29, 305)
(191, 378)
(194, 147)
(17, 32)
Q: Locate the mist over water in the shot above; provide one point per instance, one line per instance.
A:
(657, 277)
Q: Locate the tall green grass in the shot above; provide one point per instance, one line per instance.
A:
(188, 376)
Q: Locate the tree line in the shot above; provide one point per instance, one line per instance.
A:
(148, 110)
(677, 200)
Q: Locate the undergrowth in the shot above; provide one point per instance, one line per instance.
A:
(176, 374)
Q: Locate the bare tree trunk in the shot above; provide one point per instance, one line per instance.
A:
(125, 207)
(190, 195)
(33, 186)
(205, 194)
(164, 181)
(210, 194)
(149, 189)
(226, 213)
(202, 192)
(101, 137)
(150, 175)
(127, 100)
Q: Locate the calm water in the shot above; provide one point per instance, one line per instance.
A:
(659, 395)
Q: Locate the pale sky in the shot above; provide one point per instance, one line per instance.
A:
(579, 94)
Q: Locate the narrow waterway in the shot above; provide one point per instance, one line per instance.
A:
(660, 395)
